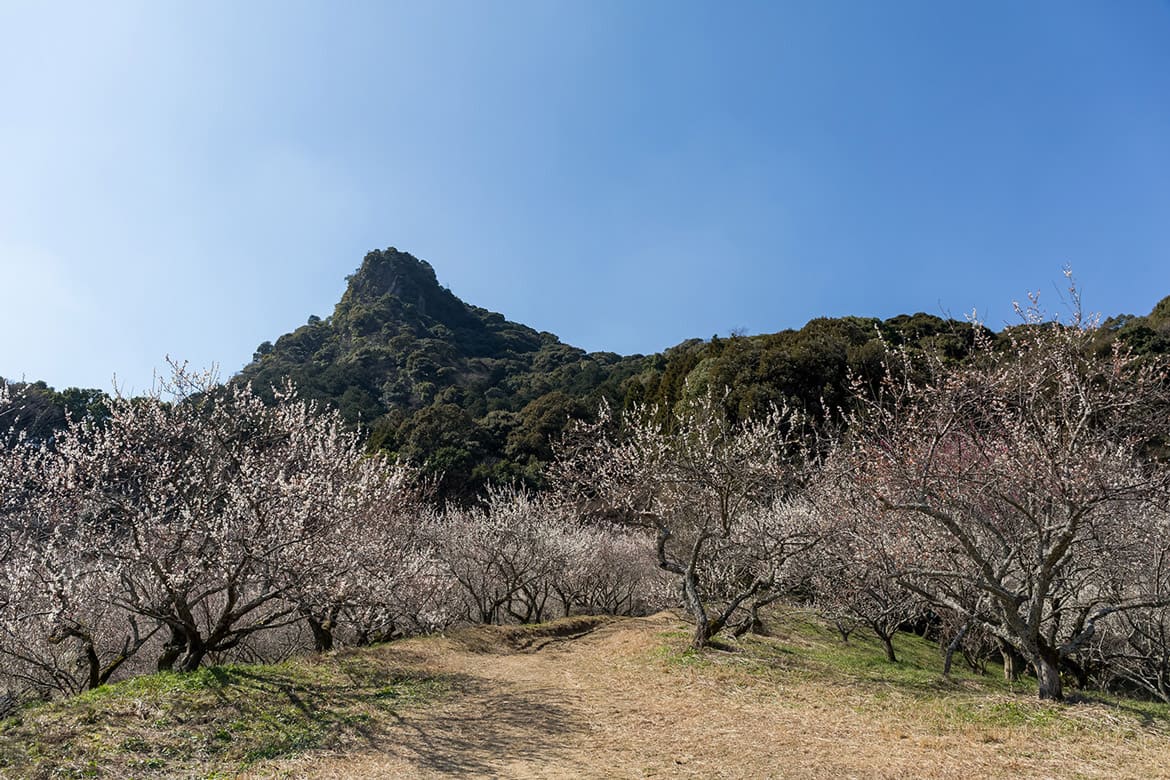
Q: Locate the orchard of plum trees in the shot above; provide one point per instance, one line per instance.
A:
(1016, 504)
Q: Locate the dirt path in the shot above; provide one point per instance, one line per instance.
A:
(601, 704)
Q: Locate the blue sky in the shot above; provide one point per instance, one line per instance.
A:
(194, 179)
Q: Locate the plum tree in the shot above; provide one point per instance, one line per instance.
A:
(1009, 481)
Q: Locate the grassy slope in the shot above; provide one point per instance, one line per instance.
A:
(222, 720)
(905, 718)
(803, 649)
(211, 723)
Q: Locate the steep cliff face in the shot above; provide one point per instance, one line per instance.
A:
(393, 293)
(404, 290)
(391, 272)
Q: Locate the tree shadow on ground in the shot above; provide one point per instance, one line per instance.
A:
(490, 727)
(480, 726)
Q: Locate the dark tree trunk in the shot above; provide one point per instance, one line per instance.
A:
(888, 646)
(691, 593)
(1079, 672)
(193, 655)
(1013, 664)
(953, 646)
(322, 634)
(1047, 665)
(322, 625)
(566, 602)
(95, 666)
(702, 622)
(96, 674)
(183, 652)
(754, 624)
(171, 651)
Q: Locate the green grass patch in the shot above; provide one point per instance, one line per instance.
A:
(802, 651)
(220, 719)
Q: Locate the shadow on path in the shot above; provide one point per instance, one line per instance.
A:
(490, 727)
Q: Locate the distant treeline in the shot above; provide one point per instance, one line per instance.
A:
(476, 399)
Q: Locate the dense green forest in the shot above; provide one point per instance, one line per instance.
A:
(475, 397)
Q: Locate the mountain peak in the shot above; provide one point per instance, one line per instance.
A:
(390, 272)
(393, 287)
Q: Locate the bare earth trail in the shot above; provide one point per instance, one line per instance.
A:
(604, 703)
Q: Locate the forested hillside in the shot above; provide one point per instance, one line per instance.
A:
(477, 397)
(474, 397)
(436, 380)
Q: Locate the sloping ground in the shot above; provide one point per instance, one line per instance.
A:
(628, 700)
(212, 722)
(592, 698)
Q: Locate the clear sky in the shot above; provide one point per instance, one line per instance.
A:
(195, 178)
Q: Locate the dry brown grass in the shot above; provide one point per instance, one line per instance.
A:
(621, 698)
(627, 700)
